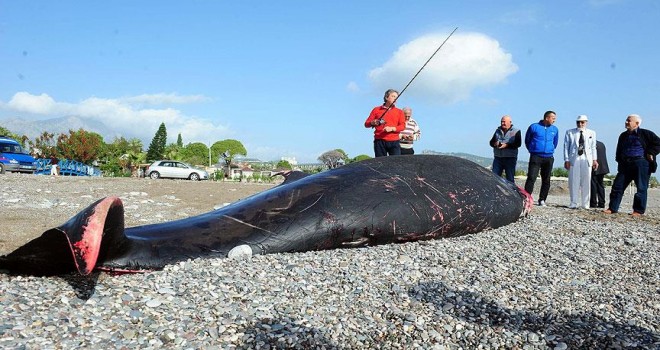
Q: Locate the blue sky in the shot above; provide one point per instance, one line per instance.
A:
(298, 78)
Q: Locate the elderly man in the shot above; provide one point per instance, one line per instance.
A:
(580, 157)
(636, 153)
(505, 142)
(410, 134)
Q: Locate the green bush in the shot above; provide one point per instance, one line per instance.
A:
(559, 172)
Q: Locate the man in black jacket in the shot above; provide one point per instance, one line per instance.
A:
(636, 153)
(597, 176)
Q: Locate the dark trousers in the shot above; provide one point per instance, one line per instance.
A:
(544, 165)
(597, 191)
(636, 170)
(407, 151)
(383, 148)
(506, 165)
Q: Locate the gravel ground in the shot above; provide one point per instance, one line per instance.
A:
(557, 279)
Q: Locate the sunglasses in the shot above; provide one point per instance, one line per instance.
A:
(582, 122)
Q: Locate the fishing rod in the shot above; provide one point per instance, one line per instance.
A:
(380, 121)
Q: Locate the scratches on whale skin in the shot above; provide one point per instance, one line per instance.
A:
(313, 204)
(248, 224)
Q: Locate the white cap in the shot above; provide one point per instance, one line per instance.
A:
(581, 117)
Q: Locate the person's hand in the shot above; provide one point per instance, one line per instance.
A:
(389, 129)
(595, 165)
(649, 157)
(567, 165)
(502, 145)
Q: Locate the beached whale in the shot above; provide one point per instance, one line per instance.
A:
(376, 201)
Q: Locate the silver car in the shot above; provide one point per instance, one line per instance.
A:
(175, 170)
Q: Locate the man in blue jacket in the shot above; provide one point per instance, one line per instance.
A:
(541, 140)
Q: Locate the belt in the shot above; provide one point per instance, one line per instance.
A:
(632, 159)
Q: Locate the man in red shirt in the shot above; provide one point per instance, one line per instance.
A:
(387, 121)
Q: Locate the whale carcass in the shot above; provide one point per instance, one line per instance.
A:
(376, 201)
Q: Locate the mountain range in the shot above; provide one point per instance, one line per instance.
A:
(62, 125)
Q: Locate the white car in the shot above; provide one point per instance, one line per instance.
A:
(175, 170)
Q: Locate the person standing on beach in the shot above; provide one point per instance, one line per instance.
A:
(387, 121)
(580, 158)
(597, 176)
(541, 141)
(505, 142)
(410, 134)
(636, 153)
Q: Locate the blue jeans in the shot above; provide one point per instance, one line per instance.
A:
(507, 165)
(537, 163)
(637, 170)
(383, 148)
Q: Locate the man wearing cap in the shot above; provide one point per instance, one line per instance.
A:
(636, 153)
(580, 158)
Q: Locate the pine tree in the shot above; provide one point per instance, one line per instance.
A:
(179, 141)
(156, 149)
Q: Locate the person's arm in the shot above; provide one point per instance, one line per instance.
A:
(493, 140)
(372, 116)
(567, 146)
(528, 137)
(516, 141)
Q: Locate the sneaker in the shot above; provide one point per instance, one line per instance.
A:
(541, 203)
(572, 206)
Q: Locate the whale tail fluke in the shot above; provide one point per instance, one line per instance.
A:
(77, 245)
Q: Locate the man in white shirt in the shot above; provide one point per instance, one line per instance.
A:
(580, 158)
(410, 134)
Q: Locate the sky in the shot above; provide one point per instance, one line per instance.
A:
(298, 78)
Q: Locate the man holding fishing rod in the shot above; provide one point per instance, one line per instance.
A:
(387, 121)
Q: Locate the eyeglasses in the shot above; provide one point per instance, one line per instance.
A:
(581, 121)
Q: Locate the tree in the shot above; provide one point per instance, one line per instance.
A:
(179, 141)
(283, 164)
(46, 145)
(5, 132)
(344, 155)
(228, 149)
(83, 146)
(156, 149)
(332, 159)
(361, 157)
(195, 153)
(173, 152)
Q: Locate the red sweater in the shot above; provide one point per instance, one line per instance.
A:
(393, 117)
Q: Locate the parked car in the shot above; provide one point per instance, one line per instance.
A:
(175, 170)
(14, 158)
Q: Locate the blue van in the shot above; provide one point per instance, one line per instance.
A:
(14, 158)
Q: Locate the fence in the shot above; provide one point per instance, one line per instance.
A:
(67, 167)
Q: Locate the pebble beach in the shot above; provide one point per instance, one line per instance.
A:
(557, 279)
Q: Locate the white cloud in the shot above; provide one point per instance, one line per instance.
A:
(352, 87)
(25, 102)
(126, 116)
(466, 62)
(160, 99)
